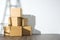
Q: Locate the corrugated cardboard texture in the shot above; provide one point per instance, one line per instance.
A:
(24, 22)
(16, 21)
(16, 31)
(7, 31)
(27, 31)
(16, 12)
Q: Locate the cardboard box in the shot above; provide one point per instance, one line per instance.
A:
(9, 21)
(24, 22)
(16, 12)
(7, 31)
(27, 31)
(16, 31)
(6, 34)
(16, 21)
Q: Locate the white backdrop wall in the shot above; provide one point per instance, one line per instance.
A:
(46, 12)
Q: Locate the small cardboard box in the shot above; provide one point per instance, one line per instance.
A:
(24, 22)
(16, 31)
(27, 31)
(6, 34)
(16, 21)
(9, 21)
(16, 12)
(7, 31)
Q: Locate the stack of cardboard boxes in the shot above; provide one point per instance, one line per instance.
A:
(18, 26)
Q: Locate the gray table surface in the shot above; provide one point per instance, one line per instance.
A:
(33, 37)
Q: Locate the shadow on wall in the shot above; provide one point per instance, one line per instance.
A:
(32, 22)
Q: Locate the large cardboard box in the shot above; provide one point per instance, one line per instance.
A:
(16, 12)
(7, 31)
(16, 31)
(16, 21)
(9, 21)
(27, 31)
(24, 21)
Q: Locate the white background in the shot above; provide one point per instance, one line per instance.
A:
(47, 13)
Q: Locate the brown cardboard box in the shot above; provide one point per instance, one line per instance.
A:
(7, 31)
(16, 31)
(9, 21)
(16, 21)
(24, 22)
(27, 31)
(16, 12)
(6, 34)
